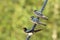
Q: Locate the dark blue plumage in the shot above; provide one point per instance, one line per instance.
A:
(30, 32)
(39, 13)
(36, 21)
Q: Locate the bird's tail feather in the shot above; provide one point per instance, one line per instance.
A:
(37, 30)
(42, 23)
(44, 17)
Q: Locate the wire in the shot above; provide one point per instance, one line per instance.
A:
(45, 2)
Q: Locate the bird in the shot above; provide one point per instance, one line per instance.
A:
(36, 21)
(40, 15)
(30, 32)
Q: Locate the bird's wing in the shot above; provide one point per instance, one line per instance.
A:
(34, 19)
(37, 20)
(28, 31)
(42, 23)
(28, 37)
(37, 30)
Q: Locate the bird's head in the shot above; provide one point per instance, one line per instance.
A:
(32, 17)
(35, 10)
(25, 29)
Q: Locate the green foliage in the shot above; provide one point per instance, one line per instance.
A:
(15, 14)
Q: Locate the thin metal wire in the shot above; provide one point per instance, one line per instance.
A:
(41, 10)
(45, 2)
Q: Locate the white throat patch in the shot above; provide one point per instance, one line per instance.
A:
(30, 34)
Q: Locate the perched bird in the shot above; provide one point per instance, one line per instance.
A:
(30, 32)
(39, 14)
(36, 21)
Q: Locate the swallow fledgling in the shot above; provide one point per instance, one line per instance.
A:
(40, 15)
(30, 32)
(36, 21)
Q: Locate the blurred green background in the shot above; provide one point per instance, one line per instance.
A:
(15, 14)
